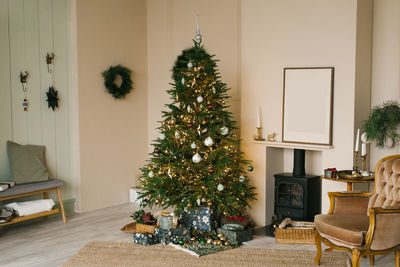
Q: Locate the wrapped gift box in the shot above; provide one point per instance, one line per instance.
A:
(235, 220)
(166, 236)
(204, 218)
(145, 238)
(237, 236)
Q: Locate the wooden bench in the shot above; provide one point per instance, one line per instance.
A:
(34, 189)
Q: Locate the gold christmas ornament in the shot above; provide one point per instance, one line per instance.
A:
(209, 241)
(227, 243)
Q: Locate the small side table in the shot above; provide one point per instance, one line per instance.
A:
(350, 182)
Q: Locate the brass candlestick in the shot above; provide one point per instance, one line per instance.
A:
(259, 137)
(355, 167)
(363, 162)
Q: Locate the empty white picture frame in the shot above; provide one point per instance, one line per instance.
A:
(308, 105)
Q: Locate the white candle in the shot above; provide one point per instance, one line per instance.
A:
(363, 149)
(258, 117)
(357, 140)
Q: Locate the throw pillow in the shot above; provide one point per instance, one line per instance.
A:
(27, 163)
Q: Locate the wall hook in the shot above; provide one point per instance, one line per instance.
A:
(49, 60)
(23, 77)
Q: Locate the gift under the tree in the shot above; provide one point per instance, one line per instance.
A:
(204, 218)
(237, 236)
(173, 235)
(145, 238)
(238, 221)
(167, 220)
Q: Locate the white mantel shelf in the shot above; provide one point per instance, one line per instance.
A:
(293, 145)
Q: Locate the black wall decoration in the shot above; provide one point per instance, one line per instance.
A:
(52, 98)
(110, 76)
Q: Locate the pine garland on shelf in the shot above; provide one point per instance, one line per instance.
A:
(383, 122)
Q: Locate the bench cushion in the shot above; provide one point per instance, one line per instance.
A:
(27, 188)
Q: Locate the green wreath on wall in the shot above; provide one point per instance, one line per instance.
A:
(110, 76)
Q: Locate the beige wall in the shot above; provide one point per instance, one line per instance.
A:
(112, 133)
(386, 63)
(278, 34)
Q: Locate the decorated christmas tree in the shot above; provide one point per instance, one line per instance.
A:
(196, 159)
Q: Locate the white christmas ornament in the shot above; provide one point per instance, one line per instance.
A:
(198, 202)
(213, 90)
(208, 141)
(190, 64)
(196, 158)
(188, 109)
(162, 136)
(220, 187)
(193, 145)
(364, 138)
(224, 130)
(150, 174)
(241, 178)
(200, 99)
(177, 134)
(183, 80)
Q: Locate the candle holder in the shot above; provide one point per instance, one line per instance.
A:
(259, 137)
(363, 163)
(355, 157)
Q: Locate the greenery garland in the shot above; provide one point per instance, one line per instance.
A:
(109, 81)
(383, 122)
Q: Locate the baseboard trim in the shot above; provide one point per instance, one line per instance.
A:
(69, 206)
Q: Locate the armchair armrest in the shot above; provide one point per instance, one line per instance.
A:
(383, 233)
(353, 202)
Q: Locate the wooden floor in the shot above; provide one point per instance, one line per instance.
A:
(50, 242)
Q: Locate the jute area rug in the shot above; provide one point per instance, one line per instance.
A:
(122, 254)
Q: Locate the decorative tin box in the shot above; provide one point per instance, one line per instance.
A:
(204, 218)
(166, 236)
(238, 236)
(145, 238)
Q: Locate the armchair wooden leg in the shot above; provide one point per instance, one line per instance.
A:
(397, 257)
(61, 205)
(371, 260)
(317, 239)
(355, 257)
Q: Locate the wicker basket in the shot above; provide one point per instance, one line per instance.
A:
(295, 235)
(129, 228)
(144, 228)
(138, 228)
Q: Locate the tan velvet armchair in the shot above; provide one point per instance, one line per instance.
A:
(364, 223)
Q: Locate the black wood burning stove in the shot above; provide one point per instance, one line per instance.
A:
(297, 195)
